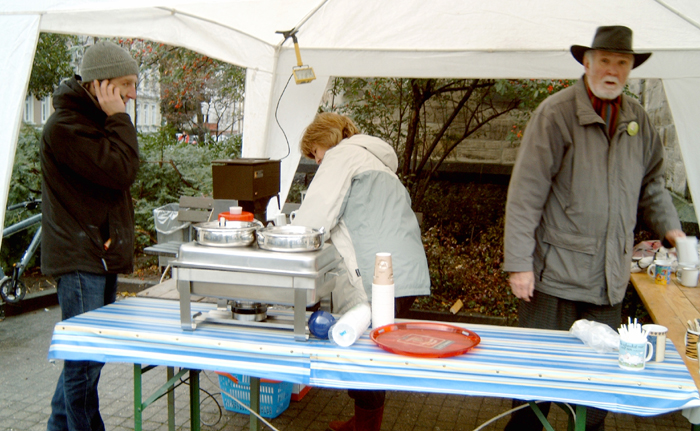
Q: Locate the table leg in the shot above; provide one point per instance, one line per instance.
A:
(167, 388)
(535, 408)
(194, 400)
(580, 418)
(170, 373)
(254, 402)
(300, 315)
(137, 397)
(184, 289)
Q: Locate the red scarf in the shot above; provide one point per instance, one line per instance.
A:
(607, 109)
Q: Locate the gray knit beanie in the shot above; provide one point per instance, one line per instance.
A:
(107, 60)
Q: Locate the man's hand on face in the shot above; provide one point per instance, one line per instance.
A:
(522, 284)
(109, 97)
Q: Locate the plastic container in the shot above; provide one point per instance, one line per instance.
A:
(168, 227)
(236, 214)
(274, 395)
(320, 323)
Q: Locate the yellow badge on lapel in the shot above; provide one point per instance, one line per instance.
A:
(632, 128)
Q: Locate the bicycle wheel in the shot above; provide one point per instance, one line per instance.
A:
(12, 292)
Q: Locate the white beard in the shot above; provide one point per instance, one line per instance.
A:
(604, 93)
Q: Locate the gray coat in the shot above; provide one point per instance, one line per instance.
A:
(574, 193)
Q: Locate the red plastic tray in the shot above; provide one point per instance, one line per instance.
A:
(424, 339)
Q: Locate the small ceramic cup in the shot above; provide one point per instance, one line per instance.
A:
(688, 276)
(691, 344)
(634, 355)
(657, 338)
(661, 271)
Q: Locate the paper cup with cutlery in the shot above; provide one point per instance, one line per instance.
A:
(635, 350)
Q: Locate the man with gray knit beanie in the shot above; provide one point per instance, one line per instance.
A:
(89, 159)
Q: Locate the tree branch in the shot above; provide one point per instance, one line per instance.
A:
(179, 174)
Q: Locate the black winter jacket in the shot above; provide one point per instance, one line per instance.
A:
(88, 163)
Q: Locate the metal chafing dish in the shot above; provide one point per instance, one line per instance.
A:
(232, 234)
(290, 238)
(249, 278)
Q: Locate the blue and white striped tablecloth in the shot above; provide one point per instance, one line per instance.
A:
(528, 364)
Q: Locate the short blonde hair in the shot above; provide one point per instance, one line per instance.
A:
(327, 130)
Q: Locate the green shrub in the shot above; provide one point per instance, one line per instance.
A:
(463, 240)
(170, 169)
(25, 184)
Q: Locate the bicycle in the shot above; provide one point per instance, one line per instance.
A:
(12, 289)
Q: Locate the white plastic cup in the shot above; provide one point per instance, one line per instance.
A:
(687, 251)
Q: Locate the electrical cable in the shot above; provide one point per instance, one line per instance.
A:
(289, 149)
(218, 406)
(243, 405)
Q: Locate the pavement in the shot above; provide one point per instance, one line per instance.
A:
(28, 379)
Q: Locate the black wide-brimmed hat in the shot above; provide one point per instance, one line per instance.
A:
(614, 38)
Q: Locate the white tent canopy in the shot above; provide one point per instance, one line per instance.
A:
(363, 38)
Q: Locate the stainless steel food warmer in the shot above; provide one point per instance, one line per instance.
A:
(246, 279)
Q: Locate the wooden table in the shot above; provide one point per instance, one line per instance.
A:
(671, 306)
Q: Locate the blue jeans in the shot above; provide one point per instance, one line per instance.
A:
(75, 405)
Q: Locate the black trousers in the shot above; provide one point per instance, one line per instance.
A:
(549, 312)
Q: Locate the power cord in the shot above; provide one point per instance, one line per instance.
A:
(289, 149)
(242, 404)
(187, 383)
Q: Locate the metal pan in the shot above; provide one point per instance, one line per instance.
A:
(234, 234)
(290, 238)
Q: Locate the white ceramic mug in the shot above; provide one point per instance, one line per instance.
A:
(657, 338)
(688, 276)
(687, 251)
(633, 355)
(281, 219)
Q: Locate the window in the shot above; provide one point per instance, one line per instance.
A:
(29, 109)
(45, 109)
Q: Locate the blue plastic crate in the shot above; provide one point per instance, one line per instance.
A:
(274, 396)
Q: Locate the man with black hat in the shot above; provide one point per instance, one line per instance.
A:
(589, 158)
(89, 159)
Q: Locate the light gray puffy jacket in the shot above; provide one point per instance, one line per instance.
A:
(358, 198)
